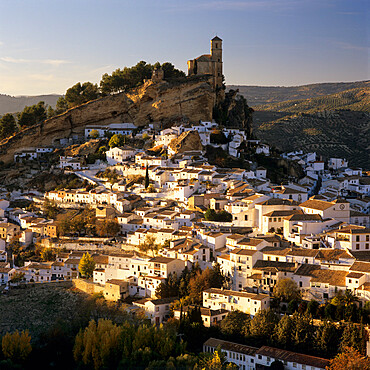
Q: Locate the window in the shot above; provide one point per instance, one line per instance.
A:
(350, 281)
(157, 309)
(367, 238)
(245, 217)
(357, 238)
(367, 246)
(357, 246)
(294, 364)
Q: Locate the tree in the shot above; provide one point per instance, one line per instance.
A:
(286, 290)
(61, 106)
(263, 325)
(349, 359)
(86, 265)
(108, 228)
(303, 331)
(50, 209)
(7, 126)
(277, 365)
(117, 140)
(17, 277)
(327, 339)
(236, 324)
(32, 115)
(283, 332)
(149, 244)
(94, 134)
(17, 346)
(221, 216)
(79, 94)
(146, 178)
(97, 346)
(48, 254)
(312, 307)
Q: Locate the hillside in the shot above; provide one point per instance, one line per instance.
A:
(355, 99)
(329, 133)
(259, 95)
(12, 104)
(192, 100)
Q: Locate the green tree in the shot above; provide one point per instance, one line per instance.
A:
(263, 325)
(32, 115)
(50, 209)
(236, 324)
(8, 125)
(312, 307)
(146, 184)
(149, 244)
(303, 331)
(16, 346)
(86, 265)
(17, 277)
(283, 333)
(98, 346)
(61, 106)
(221, 216)
(48, 254)
(286, 290)
(94, 134)
(327, 339)
(117, 140)
(79, 94)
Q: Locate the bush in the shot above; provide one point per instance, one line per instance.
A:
(221, 216)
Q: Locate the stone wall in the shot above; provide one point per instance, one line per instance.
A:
(87, 286)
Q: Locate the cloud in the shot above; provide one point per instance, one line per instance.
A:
(349, 46)
(349, 13)
(237, 5)
(41, 77)
(52, 62)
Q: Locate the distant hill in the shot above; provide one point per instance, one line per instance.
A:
(331, 119)
(340, 133)
(259, 95)
(12, 104)
(355, 99)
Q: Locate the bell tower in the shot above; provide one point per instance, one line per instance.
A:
(216, 56)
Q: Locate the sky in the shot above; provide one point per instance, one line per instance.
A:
(46, 46)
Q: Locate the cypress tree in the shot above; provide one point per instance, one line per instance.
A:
(146, 177)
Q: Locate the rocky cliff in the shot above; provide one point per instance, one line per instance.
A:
(187, 141)
(191, 99)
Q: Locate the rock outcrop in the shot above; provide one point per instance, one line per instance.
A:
(186, 142)
(191, 99)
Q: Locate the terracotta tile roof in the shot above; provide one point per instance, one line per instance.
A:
(332, 254)
(303, 252)
(320, 205)
(231, 346)
(306, 269)
(276, 251)
(243, 252)
(288, 356)
(162, 259)
(303, 217)
(359, 266)
(279, 266)
(331, 277)
(257, 297)
(355, 275)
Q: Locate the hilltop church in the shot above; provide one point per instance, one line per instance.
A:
(209, 63)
